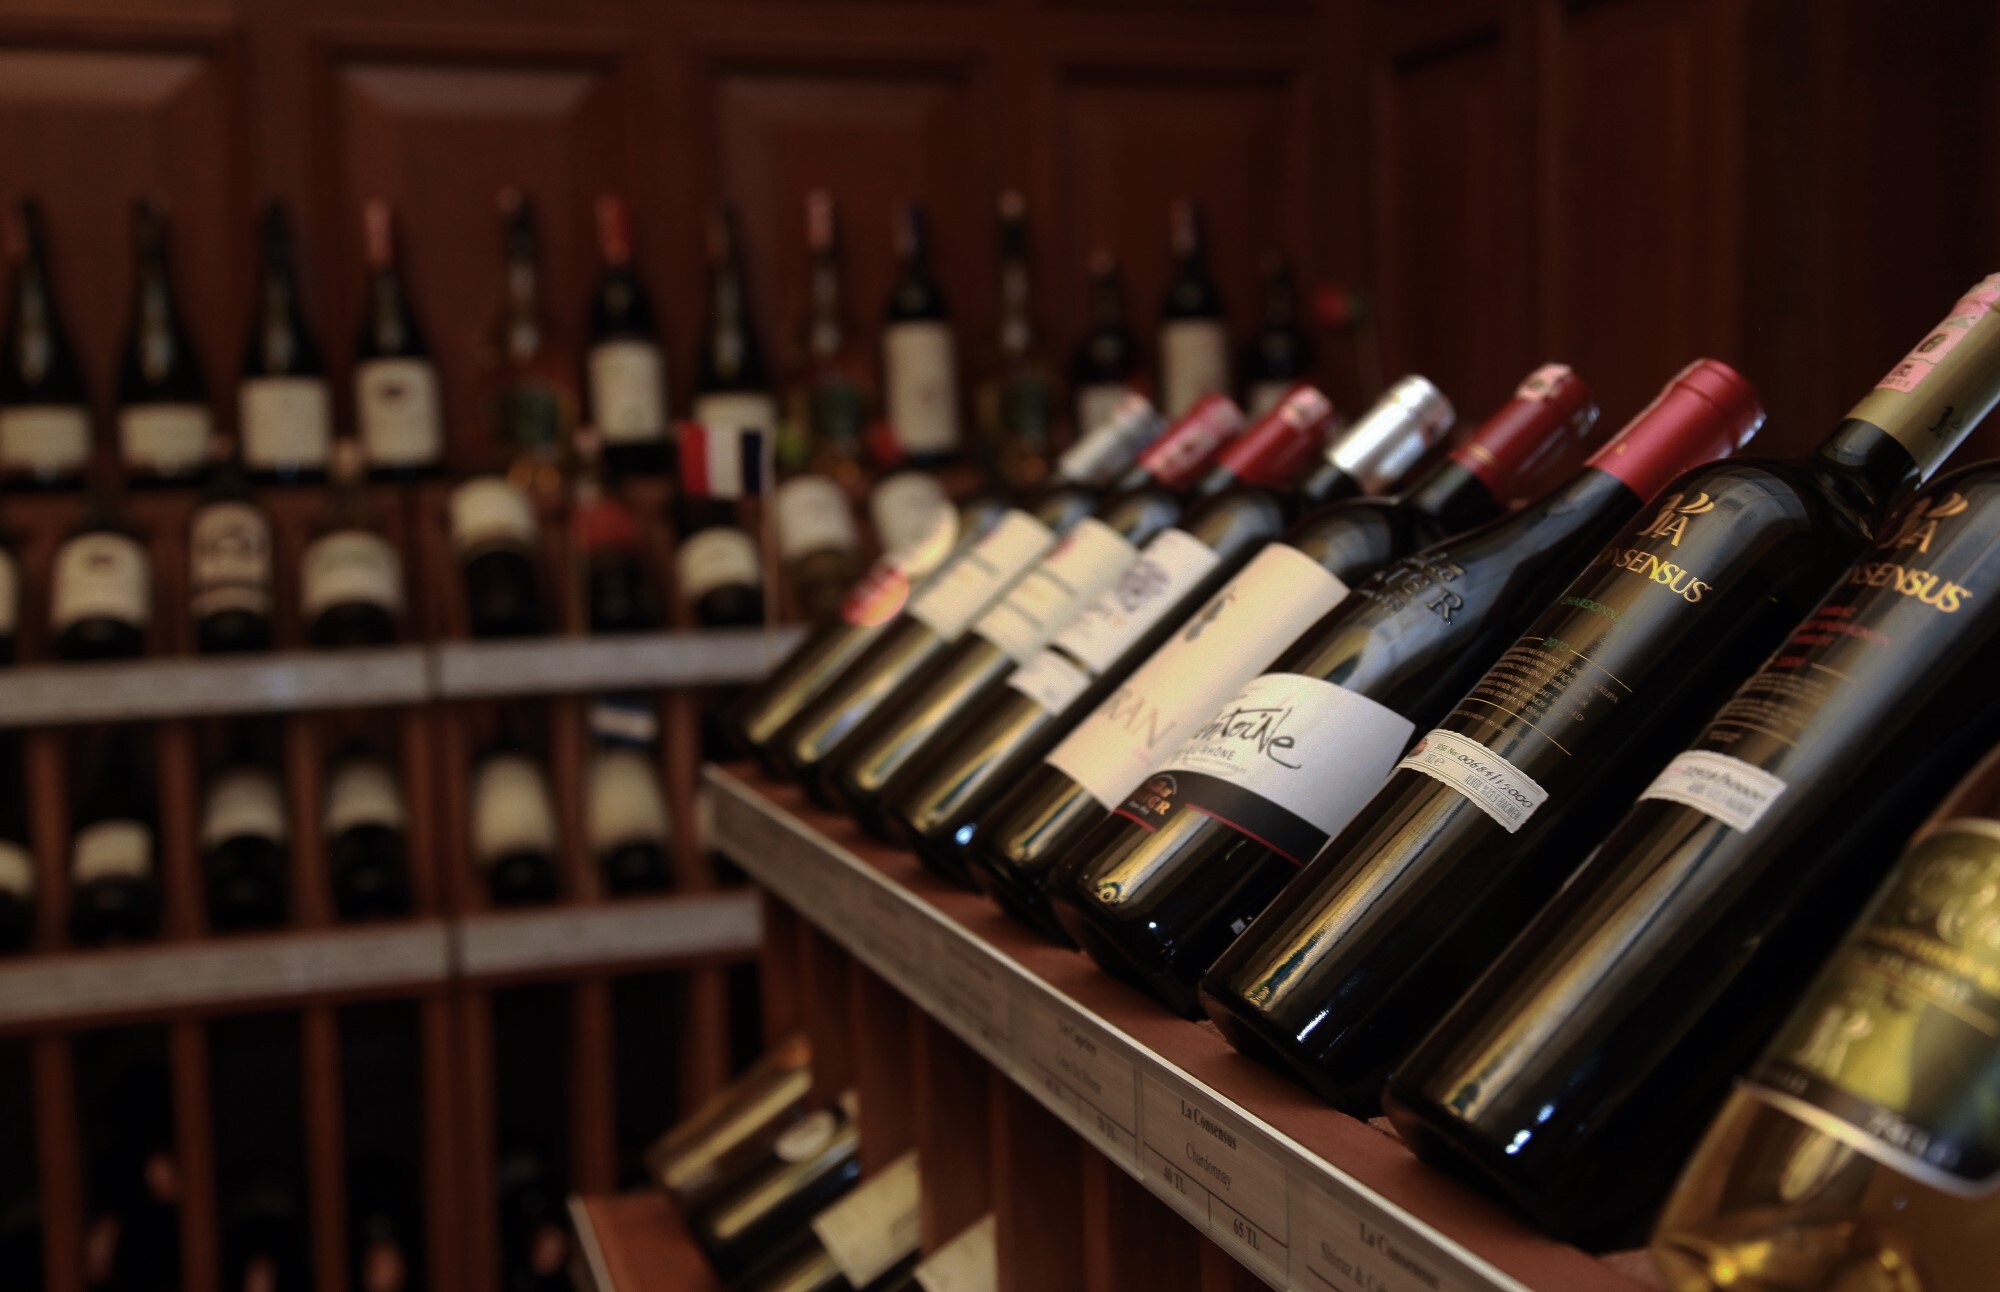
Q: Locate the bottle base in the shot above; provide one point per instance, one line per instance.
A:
(1022, 899)
(1252, 1036)
(943, 857)
(1116, 959)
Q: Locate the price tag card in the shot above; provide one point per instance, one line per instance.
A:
(1075, 1063)
(972, 992)
(968, 1263)
(873, 1228)
(1338, 1249)
(1202, 1152)
(889, 935)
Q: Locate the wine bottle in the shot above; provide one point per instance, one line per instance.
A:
(397, 404)
(819, 545)
(230, 575)
(1280, 353)
(1235, 633)
(1857, 1153)
(732, 384)
(627, 367)
(494, 533)
(114, 879)
(868, 1238)
(717, 1144)
(720, 575)
(164, 423)
(943, 800)
(816, 1162)
(514, 827)
(833, 399)
(351, 582)
(366, 833)
(1194, 335)
(919, 369)
(619, 595)
(263, 1231)
(1605, 1036)
(45, 434)
(1191, 856)
(534, 1227)
(956, 599)
(1107, 366)
(1470, 836)
(625, 818)
(385, 1234)
(283, 404)
(534, 407)
(17, 862)
(246, 840)
(1018, 405)
(101, 587)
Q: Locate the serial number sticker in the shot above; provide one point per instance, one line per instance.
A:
(1732, 791)
(1202, 1154)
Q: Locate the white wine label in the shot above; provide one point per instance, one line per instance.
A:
(1730, 790)
(1492, 784)
(1227, 642)
(1194, 361)
(719, 557)
(491, 512)
(400, 413)
(229, 560)
(741, 409)
(813, 516)
(1172, 564)
(111, 850)
(10, 594)
(921, 378)
(981, 575)
(873, 1228)
(1289, 760)
(1050, 680)
(511, 809)
(164, 437)
(351, 565)
(1107, 451)
(623, 801)
(49, 439)
(807, 1138)
(100, 574)
(1087, 560)
(913, 519)
(968, 1263)
(628, 391)
(1264, 396)
(362, 792)
(1098, 402)
(287, 421)
(244, 802)
(17, 871)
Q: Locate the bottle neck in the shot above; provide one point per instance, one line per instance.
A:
(1451, 497)
(1866, 463)
(826, 332)
(1017, 328)
(1107, 304)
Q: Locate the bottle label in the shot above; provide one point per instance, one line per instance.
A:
(1050, 680)
(10, 594)
(287, 422)
(912, 518)
(44, 439)
(400, 411)
(714, 558)
(511, 811)
(1086, 561)
(807, 1138)
(1223, 645)
(1488, 781)
(1172, 564)
(244, 803)
(348, 567)
(100, 574)
(624, 803)
(491, 512)
(968, 1263)
(1288, 761)
(1892, 1052)
(1108, 450)
(17, 871)
(813, 516)
(229, 560)
(1734, 792)
(361, 793)
(871, 1230)
(1943, 387)
(1265, 396)
(922, 386)
(981, 575)
(1194, 361)
(1098, 403)
(628, 392)
(742, 409)
(164, 437)
(112, 850)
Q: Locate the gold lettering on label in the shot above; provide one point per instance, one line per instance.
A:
(1672, 521)
(1919, 527)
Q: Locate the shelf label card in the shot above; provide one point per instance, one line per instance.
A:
(873, 1228)
(971, 991)
(1200, 1150)
(1075, 1064)
(968, 1263)
(1338, 1249)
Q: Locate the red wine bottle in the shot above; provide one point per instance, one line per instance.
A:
(827, 431)
(534, 402)
(283, 405)
(398, 409)
(45, 433)
(230, 575)
(164, 422)
(625, 818)
(101, 593)
(114, 876)
(366, 832)
(351, 582)
(919, 366)
(1108, 366)
(514, 839)
(1017, 404)
(246, 839)
(1280, 354)
(1164, 885)
(626, 366)
(494, 532)
(1092, 554)
(1539, 435)
(941, 801)
(1194, 334)
(732, 378)
(619, 594)
(819, 545)
(1367, 948)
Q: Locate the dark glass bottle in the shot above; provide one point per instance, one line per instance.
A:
(534, 1226)
(1194, 334)
(45, 434)
(101, 587)
(514, 836)
(1535, 438)
(230, 574)
(944, 800)
(1018, 404)
(818, 544)
(10, 602)
(246, 837)
(625, 817)
(351, 584)
(619, 596)
(164, 422)
(1108, 366)
(626, 365)
(114, 876)
(495, 533)
(732, 379)
(815, 1162)
(366, 833)
(398, 407)
(831, 417)
(534, 405)
(1281, 352)
(284, 407)
(17, 861)
(1375, 939)
(919, 363)
(385, 1249)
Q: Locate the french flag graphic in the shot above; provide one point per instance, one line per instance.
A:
(724, 461)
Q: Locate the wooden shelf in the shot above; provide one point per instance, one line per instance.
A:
(619, 933)
(1302, 1196)
(633, 1242)
(42, 695)
(562, 666)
